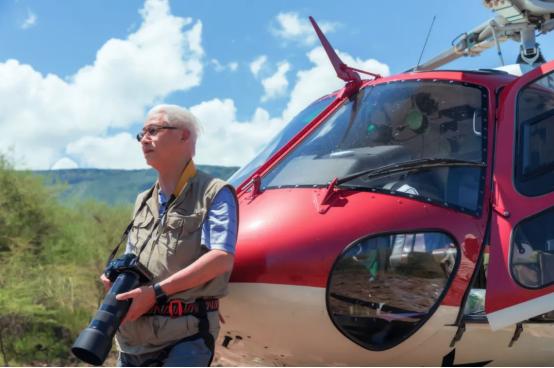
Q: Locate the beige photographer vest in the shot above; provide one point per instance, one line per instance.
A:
(174, 244)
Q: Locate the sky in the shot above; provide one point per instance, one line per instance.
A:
(77, 77)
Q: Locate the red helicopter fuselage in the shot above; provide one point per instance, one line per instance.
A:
(370, 231)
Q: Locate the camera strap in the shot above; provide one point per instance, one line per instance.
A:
(130, 226)
(160, 220)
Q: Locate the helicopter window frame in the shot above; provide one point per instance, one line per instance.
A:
(484, 133)
(534, 181)
(539, 252)
(431, 311)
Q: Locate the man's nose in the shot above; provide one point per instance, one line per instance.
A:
(146, 138)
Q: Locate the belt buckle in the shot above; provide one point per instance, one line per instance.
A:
(172, 304)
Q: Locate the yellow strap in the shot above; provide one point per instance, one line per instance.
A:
(188, 172)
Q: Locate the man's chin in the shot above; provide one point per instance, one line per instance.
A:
(149, 159)
(151, 162)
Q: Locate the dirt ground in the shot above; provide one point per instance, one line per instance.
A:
(223, 358)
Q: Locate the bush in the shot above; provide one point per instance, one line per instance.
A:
(51, 256)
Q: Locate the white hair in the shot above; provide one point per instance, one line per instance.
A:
(179, 117)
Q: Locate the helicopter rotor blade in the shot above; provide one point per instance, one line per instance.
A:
(517, 20)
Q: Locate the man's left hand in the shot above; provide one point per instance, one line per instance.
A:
(143, 300)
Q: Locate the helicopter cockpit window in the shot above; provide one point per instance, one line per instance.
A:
(535, 126)
(398, 123)
(532, 251)
(382, 289)
(285, 135)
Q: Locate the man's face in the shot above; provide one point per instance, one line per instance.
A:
(163, 144)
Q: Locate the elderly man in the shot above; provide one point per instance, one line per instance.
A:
(184, 232)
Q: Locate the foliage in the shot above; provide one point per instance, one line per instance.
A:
(51, 256)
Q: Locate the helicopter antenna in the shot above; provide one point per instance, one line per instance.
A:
(514, 19)
(425, 44)
(346, 73)
(498, 49)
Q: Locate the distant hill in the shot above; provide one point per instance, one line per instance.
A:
(113, 186)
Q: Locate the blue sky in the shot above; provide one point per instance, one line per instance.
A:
(78, 76)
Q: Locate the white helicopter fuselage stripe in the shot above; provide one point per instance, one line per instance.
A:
(522, 311)
(270, 324)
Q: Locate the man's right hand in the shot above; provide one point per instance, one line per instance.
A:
(106, 282)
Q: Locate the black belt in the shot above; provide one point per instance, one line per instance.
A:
(178, 308)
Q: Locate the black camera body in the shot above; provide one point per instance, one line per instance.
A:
(94, 343)
(127, 263)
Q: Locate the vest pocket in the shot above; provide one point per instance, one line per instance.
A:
(180, 227)
(139, 231)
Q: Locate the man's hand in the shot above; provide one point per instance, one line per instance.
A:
(143, 300)
(106, 282)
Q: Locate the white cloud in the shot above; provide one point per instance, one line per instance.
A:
(116, 152)
(55, 122)
(30, 21)
(194, 37)
(218, 67)
(233, 66)
(227, 141)
(257, 65)
(64, 163)
(42, 114)
(276, 85)
(290, 27)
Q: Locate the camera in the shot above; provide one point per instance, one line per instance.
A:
(94, 343)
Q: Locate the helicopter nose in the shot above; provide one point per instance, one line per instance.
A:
(358, 263)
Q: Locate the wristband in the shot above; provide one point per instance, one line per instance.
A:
(161, 296)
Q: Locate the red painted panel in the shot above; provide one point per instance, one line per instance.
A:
(283, 238)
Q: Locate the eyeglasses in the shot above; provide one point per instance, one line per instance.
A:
(152, 130)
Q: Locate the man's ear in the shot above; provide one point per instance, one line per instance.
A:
(185, 135)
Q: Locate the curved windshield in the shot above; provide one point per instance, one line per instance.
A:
(434, 130)
(285, 135)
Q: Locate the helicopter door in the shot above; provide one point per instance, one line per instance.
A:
(520, 275)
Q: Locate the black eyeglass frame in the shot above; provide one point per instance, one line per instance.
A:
(152, 131)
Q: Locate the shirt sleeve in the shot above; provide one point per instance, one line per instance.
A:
(219, 230)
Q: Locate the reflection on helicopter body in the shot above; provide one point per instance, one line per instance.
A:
(384, 287)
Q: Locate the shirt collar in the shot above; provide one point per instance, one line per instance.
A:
(188, 172)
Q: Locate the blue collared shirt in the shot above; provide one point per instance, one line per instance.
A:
(219, 229)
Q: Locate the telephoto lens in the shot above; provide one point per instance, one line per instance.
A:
(94, 343)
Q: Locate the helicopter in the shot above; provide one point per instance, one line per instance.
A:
(408, 219)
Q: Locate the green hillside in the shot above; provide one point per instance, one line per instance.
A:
(112, 186)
